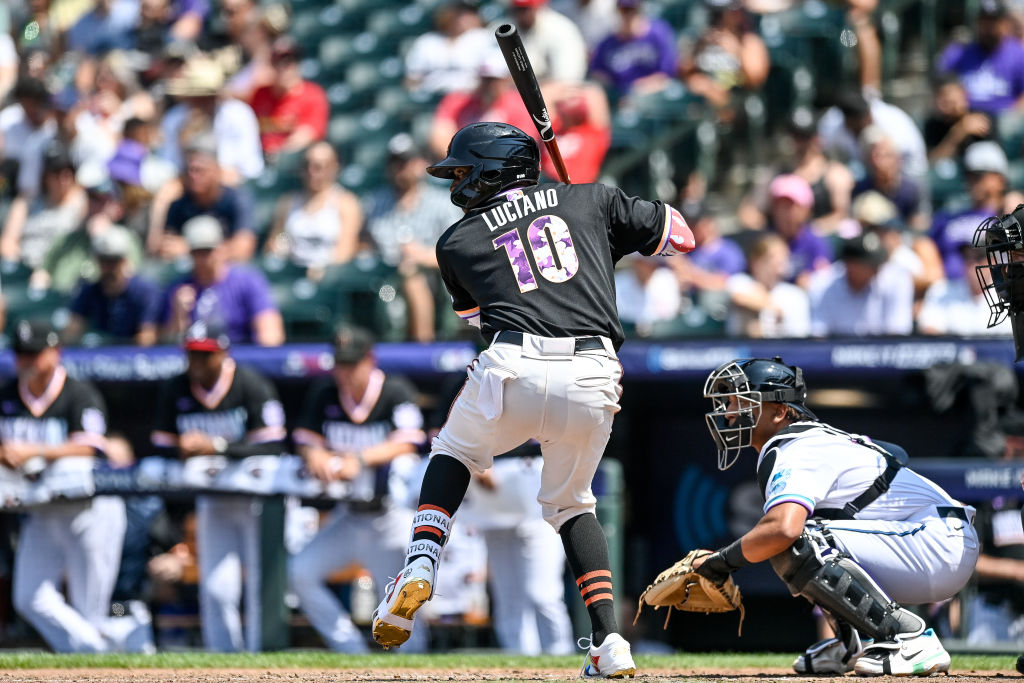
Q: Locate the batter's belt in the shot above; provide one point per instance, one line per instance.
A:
(516, 338)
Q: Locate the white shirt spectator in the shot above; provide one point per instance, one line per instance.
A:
(596, 19)
(645, 303)
(26, 144)
(556, 47)
(791, 317)
(897, 125)
(237, 132)
(439, 64)
(884, 307)
(8, 64)
(950, 307)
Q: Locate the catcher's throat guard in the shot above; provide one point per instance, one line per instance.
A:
(1002, 277)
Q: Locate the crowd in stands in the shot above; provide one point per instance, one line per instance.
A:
(163, 161)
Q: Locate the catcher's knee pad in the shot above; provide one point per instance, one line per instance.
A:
(836, 583)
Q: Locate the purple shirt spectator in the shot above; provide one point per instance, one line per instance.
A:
(993, 80)
(807, 253)
(235, 300)
(721, 256)
(951, 231)
(122, 316)
(183, 7)
(621, 61)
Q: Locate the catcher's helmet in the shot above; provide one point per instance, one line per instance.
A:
(495, 157)
(737, 389)
(1002, 279)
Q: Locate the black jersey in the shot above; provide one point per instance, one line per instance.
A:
(242, 408)
(387, 412)
(68, 410)
(541, 259)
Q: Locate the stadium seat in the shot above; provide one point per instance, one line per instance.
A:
(696, 322)
(28, 303)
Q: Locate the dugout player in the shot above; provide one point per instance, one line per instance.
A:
(219, 408)
(846, 524)
(532, 265)
(353, 427)
(46, 415)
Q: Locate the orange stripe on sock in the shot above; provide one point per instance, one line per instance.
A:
(431, 529)
(593, 575)
(594, 586)
(433, 507)
(595, 598)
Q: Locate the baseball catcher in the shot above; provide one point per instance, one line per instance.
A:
(846, 524)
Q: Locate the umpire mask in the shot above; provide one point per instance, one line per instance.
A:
(1002, 277)
(737, 389)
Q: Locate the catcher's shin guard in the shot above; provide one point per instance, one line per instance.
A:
(834, 582)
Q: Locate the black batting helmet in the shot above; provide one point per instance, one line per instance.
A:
(751, 382)
(495, 156)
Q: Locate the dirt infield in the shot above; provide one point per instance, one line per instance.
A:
(398, 674)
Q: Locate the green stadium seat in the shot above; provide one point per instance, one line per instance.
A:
(696, 322)
(162, 272)
(1010, 132)
(366, 292)
(28, 303)
(14, 273)
(946, 179)
(335, 53)
(306, 317)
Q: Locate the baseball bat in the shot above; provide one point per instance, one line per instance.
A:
(519, 66)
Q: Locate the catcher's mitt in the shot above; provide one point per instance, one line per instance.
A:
(680, 587)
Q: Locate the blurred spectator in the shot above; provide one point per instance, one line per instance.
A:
(188, 18)
(952, 126)
(709, 265)
(236, 16)
(840, 128)
(39, 35)
(992, 66)
(292, 112)
(639, 57)
(153, 28)
(404, 220)
(34, 224)
(236, 296)
(319, 226)
(885, 176)
(119, 305)
(555, 45)
(959, 306)
(255, 43)
(219, 408)
(109, 25)
(915, 253)
(596, 19)
(205, 193)
(446, 59)
(69, 258)
(728, 55)
(235, 129)
(788, 216)
(9, 61)
(987, 168)
(357, 425)
(762, 303)
(582, 120)
(493, 99)
(861, 295)
(831, 181)
(646, 292)
(26, 128)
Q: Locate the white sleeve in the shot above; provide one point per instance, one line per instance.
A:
(238, 136)
(798, 477)
(932, 314)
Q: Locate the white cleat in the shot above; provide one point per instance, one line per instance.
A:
(921, 655)
(611, 659)
(832, 655)
(393, 618)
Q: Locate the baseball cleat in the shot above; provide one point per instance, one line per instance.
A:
(611, 659)
(393, 618)
(832, 655)
(921, 655)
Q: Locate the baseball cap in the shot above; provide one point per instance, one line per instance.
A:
(866, 248)
(113, 243)
(202, 232)
(57, 158)
(992, 8)
(207, 335)
(285, 47)
(792, 187)
(493, 66)
(94, 178)
(204, 143)
(403, 147)
(528, 3)
(352, 344)
(200, 77)
(986, 156)
(801, 122)
(33, 336)
(873, 208)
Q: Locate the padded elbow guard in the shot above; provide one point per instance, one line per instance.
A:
(678, 238)
(837, 584)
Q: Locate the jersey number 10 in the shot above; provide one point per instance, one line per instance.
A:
(552, 249)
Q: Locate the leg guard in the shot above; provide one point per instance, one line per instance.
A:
(834, 582)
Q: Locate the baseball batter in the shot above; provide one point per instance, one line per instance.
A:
(219, 408)
(46, 415)
(532, 265)
(352, 428)
(846, 524)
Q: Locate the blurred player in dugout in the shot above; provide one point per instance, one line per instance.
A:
(219, 408)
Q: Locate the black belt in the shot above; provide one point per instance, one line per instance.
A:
(955, 512)
(516, 338)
